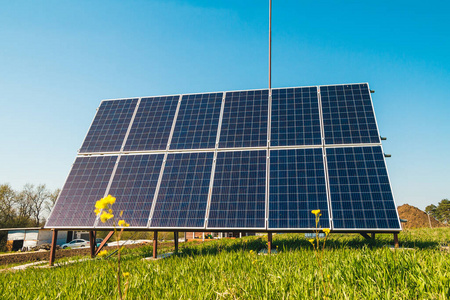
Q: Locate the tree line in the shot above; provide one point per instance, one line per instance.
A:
(441, 212)
(27, 207)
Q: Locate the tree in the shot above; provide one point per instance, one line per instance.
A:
(32, 201)
(431, 210)
(7, 211)
(443, 211)
(51, 200)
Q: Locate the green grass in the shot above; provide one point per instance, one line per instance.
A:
(228, 269)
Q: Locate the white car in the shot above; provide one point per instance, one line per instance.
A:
(79, 243)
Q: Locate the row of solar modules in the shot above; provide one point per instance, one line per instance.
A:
(178, 192)
(145, 124)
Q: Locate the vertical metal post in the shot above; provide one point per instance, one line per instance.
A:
(53, 248)
(270, 44)
(155, 244)
(269, 242)
(373, 235)
(175, 239)
(396, 240)
(92, 243)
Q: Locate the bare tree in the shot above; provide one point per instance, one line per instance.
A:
(51, 200)
(32, 201)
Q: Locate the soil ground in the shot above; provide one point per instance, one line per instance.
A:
(416, 218)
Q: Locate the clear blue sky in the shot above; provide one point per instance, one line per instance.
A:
(59, 59)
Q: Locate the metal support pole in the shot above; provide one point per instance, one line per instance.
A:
(53, 248)
(155, 244)
(396, 240)
(175, 239)
(373, 236)
(92, 243)
(103, 243)
(269, 242)
(270, 44)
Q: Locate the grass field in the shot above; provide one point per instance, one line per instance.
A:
(351, 268)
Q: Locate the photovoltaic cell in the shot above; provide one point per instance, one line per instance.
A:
(109, 127)
(297, 186)
(361, 195)
(134, 186)
(348, 114)
(244, 121)
(85, 185)
(295, 117)
(238, 196)
(152, 124)
(183, 193)
(197, 122)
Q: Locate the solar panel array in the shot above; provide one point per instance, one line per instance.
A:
(242, 160)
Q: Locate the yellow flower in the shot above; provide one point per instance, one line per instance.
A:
(97, 211)
(122, 223)
(316, 211)
(326, 230)
(103, 253)
(311, 241)
(110, 200)
(126, 274)
(101, 204)
(105, 216)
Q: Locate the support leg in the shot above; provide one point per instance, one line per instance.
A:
(53, 248)
(396, 240)
(269, 242)
(175, 239)
(155, 244)
(92, 243)
(373, 236)
(103, 243)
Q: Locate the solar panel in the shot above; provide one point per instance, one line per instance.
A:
(197, 122)
(85, 185)
(323, 152)
(183, 194)
(295, 117)
(152, 124)
(348, 114)
(244, 122)
(238, 195)
(134, 186)
(361, 196)
(109, 127)
(297, 186)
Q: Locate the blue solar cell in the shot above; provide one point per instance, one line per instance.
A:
(297, 186)
(183, 193)
(361, 196)
(238, 196)
(109, 127)
(348, 114)
(244, 121)
(87, 183)
(134, 186)
(152, 124)
(197, 122)
(295, 117)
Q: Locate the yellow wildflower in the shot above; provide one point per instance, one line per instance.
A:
(110, 200)
(97, 211)
(122, 223)
(103, 253)
(326, 230)
(311, 241)
(105, 216)
(126, 274)
(101, 204)
(316, 211)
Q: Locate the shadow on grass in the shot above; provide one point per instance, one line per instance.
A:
(290, 242)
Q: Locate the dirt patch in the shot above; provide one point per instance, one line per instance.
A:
(416, 218)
